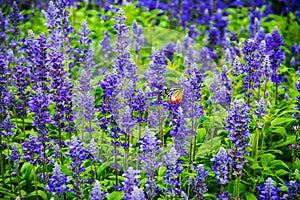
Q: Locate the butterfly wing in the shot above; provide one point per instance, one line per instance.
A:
(176, 95)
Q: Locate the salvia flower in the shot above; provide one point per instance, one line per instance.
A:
(4, 79)
(40, 71)
(198, 182)
(238, 128)
(3, 35)
(137, 194)
(21, 81)
(93, 151)
(221, 166)
(293, 188)
(223, 196)
(178, 48)
(268, 191)
(84, 54)
(195, 84)
(6, 127)
(260, 109)
(78, 155)
(237, 67)
(149, 148)
(58, 183)
(127, 121)
(123, 42)
(97, 193)
(139, 105)
(106, 46)
(157, 69)
(15, 19)
(220, 21)
(32, 150)
(250, 69)
(15, 154)
(266, 67)
(130, 181)
(56, 152)
(169, 50)
(137, 36)
(213, 37)
(274, 42)
(39, 106)
(173, 170)
(219, 92)
(227, 83)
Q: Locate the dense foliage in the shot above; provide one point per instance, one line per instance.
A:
(91, 106)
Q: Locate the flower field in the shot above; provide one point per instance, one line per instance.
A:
(139, 100)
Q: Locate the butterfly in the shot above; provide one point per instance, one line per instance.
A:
(174, 94)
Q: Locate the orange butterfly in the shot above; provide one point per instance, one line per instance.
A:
(174, 94)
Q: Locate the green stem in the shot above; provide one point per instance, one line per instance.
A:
(232, 95)
(294, 153)
(255, 144)
(115, 162)
(258, 92)
(276, 93)
(140, 133)
(195, 138)
(95, 169)
(265, 89)
(45, 171)
(18, 177)
(17, 124)
(35, 184)
(24, 128)
(213, 126)
(2, 164)
(60, 145)
(9, 166)
(237, 187)
(191, 148)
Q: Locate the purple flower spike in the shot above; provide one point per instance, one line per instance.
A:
(238, 128)
(32, 150)
(221, 166)
(39, 106)
(149, 147)
(294, 187)
(78, 155)
(6, 127)
(106, 46)
(15, 154)
(174, 169)
(237, 67)
(274, 41)
(198, 182)
(97, 193)
(157, 69)
(130, 182)
(137, 194)
(15, 19)
(268, 191)
(58, 183)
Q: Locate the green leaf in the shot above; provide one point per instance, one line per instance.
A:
(281, 172)
(281, 131)
(297, 164)
(116, 195)
(40, 193)
(250, 196)
(279, 121)
(266, 159)
(161, 171)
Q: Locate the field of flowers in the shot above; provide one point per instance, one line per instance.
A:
(135, 100)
